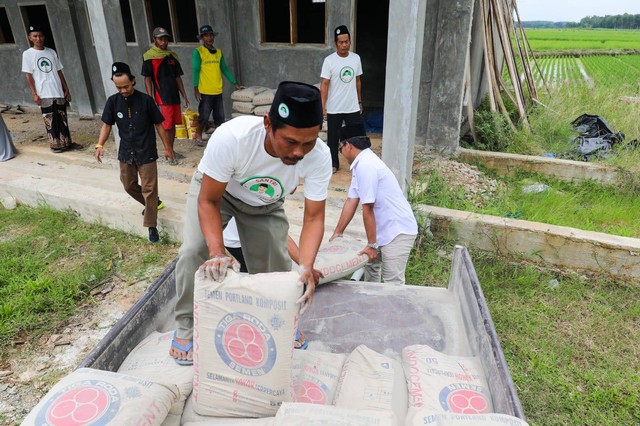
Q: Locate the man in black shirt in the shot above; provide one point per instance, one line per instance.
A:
(136, 115)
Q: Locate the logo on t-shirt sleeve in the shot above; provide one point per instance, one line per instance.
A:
(267, 189)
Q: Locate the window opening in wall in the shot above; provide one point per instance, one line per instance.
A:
(293, 21)
(177, 16)
(37, 15)
(6, 35)
(127, 21)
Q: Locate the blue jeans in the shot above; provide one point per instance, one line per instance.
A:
(210, 104)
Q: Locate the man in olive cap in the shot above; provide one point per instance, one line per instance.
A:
(209, 66)
(388, 219)
(250, 166)
(137, 118)
(162, 80)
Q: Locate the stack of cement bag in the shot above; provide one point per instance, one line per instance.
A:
(246, 371)
(256, 100)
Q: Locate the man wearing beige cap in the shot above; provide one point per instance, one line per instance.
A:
(162, 80)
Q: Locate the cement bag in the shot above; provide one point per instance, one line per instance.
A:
(443, 383)
(372, 381)
(244, 331)
(172, 420)
(233, 421)
(339, 258)
(262, 110)
(151, 360)
(247, 94)
(238, 114)
(298, 414)
(314, 376)
(190, 417)
(97, 397)
(243, 107)
(323, 136)
(264, 98)
(417, 416)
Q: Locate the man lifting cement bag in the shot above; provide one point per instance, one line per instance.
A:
(251, 164)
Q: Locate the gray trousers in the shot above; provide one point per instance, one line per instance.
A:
(392, 261)
(263, 234)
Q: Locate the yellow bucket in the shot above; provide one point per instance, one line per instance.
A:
(189, 117)
(181, 131)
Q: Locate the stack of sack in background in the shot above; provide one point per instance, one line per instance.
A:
(256, 100)
(243, 101)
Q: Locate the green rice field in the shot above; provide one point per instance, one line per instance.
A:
(574, 40)
(609, 71)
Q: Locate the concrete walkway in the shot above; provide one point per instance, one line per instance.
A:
(93, 192)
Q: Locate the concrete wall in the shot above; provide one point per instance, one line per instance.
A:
(446, 41)
(61, 16)
(268, 64)
(14, 87)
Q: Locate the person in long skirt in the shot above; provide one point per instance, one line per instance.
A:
(7, 149)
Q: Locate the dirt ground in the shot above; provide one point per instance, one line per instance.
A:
(34, 369)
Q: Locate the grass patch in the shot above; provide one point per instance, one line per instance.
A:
(585, 205)
(50, 260)
(571, 341)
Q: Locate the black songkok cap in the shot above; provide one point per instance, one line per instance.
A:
(342, 29)
(355, 135)
(120, 68)
(297, 104)
(34, 28)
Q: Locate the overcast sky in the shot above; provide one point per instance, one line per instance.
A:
(574, 10)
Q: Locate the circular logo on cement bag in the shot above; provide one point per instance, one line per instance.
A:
(463, 398)
(311, 391)
(88, 402)
(245, 344)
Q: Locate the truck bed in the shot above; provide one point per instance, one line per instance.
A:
(385, 317)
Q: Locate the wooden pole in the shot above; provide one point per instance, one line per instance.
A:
(488, 56)
(509, 57)
(467, 76)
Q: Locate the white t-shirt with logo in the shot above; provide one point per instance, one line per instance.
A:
(341, 73)
(44, 65)
(236, 154)
(373, 182)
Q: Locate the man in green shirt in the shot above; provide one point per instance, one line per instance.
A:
(208, 66)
